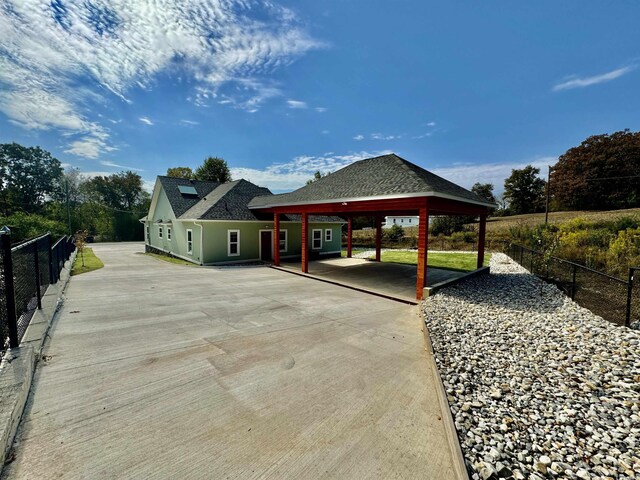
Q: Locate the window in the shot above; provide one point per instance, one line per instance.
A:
(283, 240)
(409, 220)
(394, 221)
(402, 220)
(328, 235)
(169, 233)
(159, 232)
(190, 242)
(233, 243)
(316, 236)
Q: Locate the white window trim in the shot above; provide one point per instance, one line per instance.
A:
(286, 240)
(313, 239)
(229, 254)
(189, 243)
(169, 234)
(159, 231)
(328, 235)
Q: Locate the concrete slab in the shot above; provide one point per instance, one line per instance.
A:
(157, 370)
(394, 280)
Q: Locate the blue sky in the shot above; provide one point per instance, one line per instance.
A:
(280, 89)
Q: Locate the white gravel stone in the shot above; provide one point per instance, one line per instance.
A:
(551, 387)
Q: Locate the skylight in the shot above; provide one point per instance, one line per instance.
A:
(187, 190)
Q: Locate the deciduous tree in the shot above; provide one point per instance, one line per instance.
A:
(214, 169)
(180, 172)
(524, 190)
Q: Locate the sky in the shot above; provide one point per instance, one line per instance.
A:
(279, 89)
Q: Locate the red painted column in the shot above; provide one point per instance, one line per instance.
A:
(276, 239)
(378, 236)
(305, 243)
(349, 237)
(482, 232)
(423, 235)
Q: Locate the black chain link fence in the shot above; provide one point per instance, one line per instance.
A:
(614, 299)
(26, 271)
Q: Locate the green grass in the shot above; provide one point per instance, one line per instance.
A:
(462, 262)
(91, 262)
(166, 258)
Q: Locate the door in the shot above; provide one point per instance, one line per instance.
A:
(266, 246)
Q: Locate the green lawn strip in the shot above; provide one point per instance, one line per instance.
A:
(91, 262)
(462, 262)
(166, 258)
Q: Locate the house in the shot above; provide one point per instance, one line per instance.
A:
(401, 221)
(208, 223)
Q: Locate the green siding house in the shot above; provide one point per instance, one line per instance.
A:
(210, 224)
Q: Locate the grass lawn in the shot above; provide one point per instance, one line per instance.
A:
(463, 262)
(166, 258)
(91, 262)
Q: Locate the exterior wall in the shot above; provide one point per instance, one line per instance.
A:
(402, 221)
(178, 243)
(215, 240)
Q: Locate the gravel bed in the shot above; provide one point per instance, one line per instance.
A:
(538, 386)
(371, 253)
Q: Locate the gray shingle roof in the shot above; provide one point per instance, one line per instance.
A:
(181, 203)
(384, 176)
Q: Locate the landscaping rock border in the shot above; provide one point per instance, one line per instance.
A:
(538, 386)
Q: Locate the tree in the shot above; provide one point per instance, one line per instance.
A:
(180, 172)
(524, 190)
(446, 225)
(214, 169)
(316, 176)
(120, 191)
(28, 177)
(484, 190)
(602, 173)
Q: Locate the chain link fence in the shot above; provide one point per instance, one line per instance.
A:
(614, 299)
(26, 271)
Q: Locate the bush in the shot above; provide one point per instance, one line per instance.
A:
(395, 233)
(28, 225)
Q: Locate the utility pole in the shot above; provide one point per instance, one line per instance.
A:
(546, 205)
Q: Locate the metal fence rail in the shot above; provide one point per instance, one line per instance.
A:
(614, 299)
(26, 270)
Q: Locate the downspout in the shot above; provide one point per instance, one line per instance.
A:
(201, 244)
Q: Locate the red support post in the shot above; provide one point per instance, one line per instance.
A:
(276, 239)
(349, 237)
(423, 235)
(305, 243)
(482, 232)
(378, 237)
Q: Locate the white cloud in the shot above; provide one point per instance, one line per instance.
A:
(325, 132)
(467, 174)
(380, 136)
(115, 165)
(189, 122)
(284, 177)
(60, 59)
(431, 124)
(146, 120)
(296, 104)
(321, 109)
(576, 82)
(359, 137)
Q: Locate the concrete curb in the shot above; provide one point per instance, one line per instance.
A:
(19, 364)
(459, 466)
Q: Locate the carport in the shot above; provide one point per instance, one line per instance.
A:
(381, 186)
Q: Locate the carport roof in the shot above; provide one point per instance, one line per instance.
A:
(386, 176)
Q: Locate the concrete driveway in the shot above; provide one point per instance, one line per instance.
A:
(157, 370)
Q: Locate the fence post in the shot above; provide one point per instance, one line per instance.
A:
(627, 319)
(9, 287)
(50, 256)
(37, 272)
(573, 283)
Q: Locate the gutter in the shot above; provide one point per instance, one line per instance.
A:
(201, 244)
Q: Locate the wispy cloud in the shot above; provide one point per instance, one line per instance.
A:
(115, 165)
(296, 104)
(189, 122)
(321, 109)
(325, 132)
(146, 120)
(58, 60)
(577, 82)
(380, 136)
(359, 137)
(466, 174)
(294, 174)
(430, 124)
